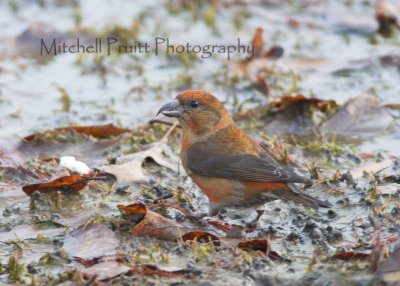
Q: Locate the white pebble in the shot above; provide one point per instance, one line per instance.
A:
(70, 163)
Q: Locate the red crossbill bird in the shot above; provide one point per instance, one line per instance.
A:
(229, 167)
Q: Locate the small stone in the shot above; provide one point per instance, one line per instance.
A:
(331, 214)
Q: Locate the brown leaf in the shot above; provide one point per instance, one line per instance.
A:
(71, 141)
(256, 245)
(94, 240)
(262, 245)
(262, 85)
(257, 42)
(273, 53)
(200, 236)
(286, 101)
(350, 255)
(153, 224)
(68, 183)
(97, 131)
(88, 262)
(297, 114)
(368, 155)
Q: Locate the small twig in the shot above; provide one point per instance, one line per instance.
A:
(165, 137)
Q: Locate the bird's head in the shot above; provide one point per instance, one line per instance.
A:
(197, 111)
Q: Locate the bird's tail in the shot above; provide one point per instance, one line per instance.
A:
(302, 198)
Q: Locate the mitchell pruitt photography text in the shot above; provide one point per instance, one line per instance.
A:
(159, 45)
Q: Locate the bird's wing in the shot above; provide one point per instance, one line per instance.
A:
(244, 167)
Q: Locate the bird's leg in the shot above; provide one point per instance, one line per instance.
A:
(252, 226)
(202, 220)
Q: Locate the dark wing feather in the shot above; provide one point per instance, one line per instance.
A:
(245, 167)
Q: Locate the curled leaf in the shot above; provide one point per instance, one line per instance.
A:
(262, 245)
(68, 183)
(299, 99)
(153, 224)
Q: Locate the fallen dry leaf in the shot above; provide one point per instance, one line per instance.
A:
(97, 131)
(71, 141)
(290, 100)
(389, 189)
(262, 245)
(68, 183)
(94, 240)
(373, 167)
(262, 85)
(263, 59)
(362, 115)
(297, 114)
(153, 224)
(200, 236)
(75, 219)
(165, 271)
(350, 255)
(106, 269)
(129, 169)
(257, 41)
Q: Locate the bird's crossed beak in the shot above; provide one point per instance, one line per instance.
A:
(171, 109)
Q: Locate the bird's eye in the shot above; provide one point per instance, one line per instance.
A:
(194, 103)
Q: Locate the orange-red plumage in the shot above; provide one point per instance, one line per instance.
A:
(227, 165)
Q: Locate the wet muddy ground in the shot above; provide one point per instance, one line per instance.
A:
(327, 108)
